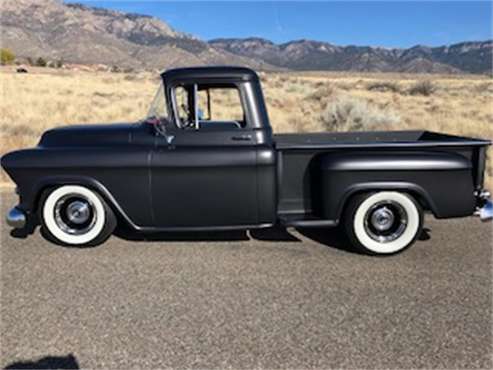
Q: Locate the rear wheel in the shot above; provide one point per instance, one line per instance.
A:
(74, 215)
(383, 223)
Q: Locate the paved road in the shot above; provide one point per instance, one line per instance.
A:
(249, 301)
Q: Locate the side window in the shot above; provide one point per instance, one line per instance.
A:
(221, 104)
(209, 107)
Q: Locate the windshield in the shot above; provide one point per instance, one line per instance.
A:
(158, 111)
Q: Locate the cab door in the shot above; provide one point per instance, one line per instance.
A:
(204, 175)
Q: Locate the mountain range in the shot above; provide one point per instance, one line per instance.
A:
(80, 34)
(474, 57)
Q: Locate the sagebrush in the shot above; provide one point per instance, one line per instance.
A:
(346, 113)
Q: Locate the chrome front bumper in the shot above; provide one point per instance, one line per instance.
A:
(485, 208)
(16, 218)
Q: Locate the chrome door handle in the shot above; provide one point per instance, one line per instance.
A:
(242, 138)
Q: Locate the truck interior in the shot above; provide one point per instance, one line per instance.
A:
(208, 107)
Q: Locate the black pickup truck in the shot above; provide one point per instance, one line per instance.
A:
(206, 159)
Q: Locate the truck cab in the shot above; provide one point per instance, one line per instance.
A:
(215, 153)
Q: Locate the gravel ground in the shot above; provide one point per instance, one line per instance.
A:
(259, 300)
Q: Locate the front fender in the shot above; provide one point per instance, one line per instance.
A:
(121, 174)
(30, 199)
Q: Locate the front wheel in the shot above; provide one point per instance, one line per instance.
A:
(74, 215)
(383, 223)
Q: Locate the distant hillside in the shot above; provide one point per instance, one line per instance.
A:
(80, 34)
(474, 57)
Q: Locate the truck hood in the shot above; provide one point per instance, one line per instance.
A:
(89, 135)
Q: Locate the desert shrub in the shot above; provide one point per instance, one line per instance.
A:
(108, 80)
(343, 85)
(41, 62)
(292, 88)
(425, 88)
(6, 56)
(276, 83)
(19, 130)
(484, 88)
(130, 77)
(346, 113)
(383, 86)
(102, 94)
(321, 93)
(299, 123)
(283, 79)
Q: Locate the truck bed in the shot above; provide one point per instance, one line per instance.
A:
(298, 168)
(324, 140)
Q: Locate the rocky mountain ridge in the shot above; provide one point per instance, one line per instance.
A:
(81, 34)
(473, 57)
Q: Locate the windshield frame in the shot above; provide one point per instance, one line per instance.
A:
(159, 103)
(153, 107)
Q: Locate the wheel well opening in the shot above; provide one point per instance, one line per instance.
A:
(416, 195)
(45, 189)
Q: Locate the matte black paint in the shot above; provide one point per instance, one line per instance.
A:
(244, 178)
(424, 175)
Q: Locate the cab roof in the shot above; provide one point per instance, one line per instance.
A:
(216, 73)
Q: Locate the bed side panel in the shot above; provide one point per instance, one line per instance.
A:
(443, 181)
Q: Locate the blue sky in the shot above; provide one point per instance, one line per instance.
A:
(374, 23)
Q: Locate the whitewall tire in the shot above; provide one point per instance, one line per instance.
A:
(383, 223)
(74, 215)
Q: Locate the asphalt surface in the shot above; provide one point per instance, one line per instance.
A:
(261, 300)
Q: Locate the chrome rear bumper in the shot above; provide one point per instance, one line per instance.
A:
(485, 213)
(16, 218)
(485, 208)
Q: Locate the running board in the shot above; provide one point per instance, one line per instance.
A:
(305, 220)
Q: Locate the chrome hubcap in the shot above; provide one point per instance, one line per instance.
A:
(74, 214)
(382, 219)
(78, 212)
(386, 221)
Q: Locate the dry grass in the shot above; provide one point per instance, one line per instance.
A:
(31, 103)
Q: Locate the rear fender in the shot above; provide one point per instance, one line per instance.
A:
(441, 181)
